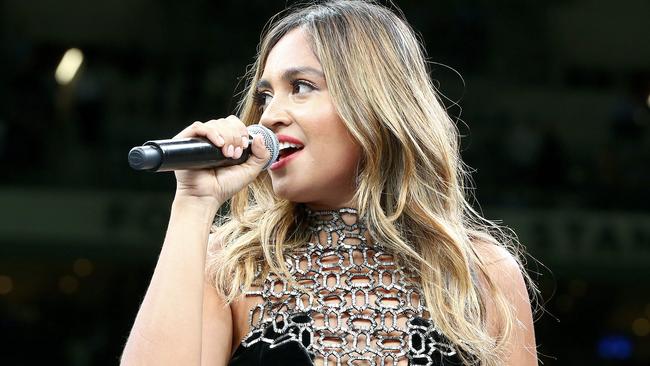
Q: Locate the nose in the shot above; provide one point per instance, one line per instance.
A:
(275, 115)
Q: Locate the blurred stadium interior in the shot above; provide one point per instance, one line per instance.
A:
(553, 106)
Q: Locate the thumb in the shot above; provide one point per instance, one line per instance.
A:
(260, 155)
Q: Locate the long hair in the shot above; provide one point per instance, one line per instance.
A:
(412, 185)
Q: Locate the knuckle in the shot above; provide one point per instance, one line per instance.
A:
(213, 127)
(234, 120)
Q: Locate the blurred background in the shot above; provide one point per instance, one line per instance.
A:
(553, 104)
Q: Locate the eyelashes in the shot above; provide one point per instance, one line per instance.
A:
(299, 87)
(260, 99)
(297, 84)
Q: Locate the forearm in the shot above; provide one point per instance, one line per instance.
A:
(167, 329)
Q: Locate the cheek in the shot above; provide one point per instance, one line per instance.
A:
(333, 151)
(333, 142)
(340, 161)
(344, 152)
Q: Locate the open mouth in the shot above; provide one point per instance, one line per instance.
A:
(288, 148)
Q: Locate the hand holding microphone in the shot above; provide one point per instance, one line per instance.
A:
(212, 160)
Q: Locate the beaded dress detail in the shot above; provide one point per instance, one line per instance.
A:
(351, 304)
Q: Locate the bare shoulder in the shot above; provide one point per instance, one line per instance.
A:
(494, 255)
(501, 266)
(502, 269)
(505, 274)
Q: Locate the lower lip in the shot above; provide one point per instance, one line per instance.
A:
(284, 161)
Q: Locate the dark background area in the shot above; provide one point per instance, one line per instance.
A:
(555, 99)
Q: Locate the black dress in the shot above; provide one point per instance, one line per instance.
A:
(290, 348)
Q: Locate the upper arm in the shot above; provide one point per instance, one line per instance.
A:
(216, 340)
(506, 275)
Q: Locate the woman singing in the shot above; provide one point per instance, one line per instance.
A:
(358, 246)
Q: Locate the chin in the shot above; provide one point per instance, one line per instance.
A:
(285, 191)
(295, 194)
(310, 192)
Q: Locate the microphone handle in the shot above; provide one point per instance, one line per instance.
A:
(189, 153)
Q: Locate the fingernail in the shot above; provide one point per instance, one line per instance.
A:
(238, 152)
(220, 140)
(230, 151)
(244, 141)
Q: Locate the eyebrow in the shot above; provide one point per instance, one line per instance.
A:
(290, 73)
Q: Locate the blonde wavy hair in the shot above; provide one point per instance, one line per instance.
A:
(412, 183)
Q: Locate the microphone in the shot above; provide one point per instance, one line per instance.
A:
(195, 153)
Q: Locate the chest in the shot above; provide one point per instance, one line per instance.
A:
(343, 304)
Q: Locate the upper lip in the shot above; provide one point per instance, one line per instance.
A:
(289, 139)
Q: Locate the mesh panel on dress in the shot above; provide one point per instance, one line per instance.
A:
(351, 302)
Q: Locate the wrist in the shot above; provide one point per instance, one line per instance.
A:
(187, 196)
(205, 206)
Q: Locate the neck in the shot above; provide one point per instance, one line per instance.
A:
(331, 205)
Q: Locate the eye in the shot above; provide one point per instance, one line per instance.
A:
(262, 98)
(302, 86)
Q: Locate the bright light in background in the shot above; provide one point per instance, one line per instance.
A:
(68, 66)
(648, 101)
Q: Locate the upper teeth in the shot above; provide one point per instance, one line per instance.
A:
(286, 145)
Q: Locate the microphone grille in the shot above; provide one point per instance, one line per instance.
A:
(270, 141)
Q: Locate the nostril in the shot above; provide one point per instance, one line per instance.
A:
(274, 120)
(269, 124)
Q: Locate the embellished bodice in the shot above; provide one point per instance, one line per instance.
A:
(350, 302)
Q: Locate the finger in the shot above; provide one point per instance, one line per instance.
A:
(213, 134)
(222, 136)
(258, 159)
(235, 138)
(243, 141)
(227, 133)
(195, 129)
(235, 141)
(261, 154)
(233, 119)
(200, 129)
(227, 149)
(215, 137)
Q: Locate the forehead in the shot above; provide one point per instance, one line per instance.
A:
(292, 51)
